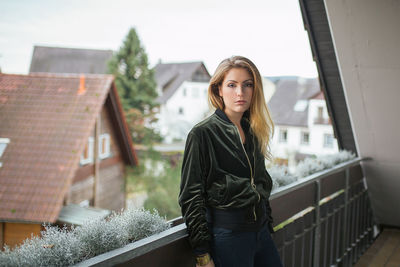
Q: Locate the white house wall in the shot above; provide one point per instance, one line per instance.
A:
(293, 144)
(191, 99)
(316, 136)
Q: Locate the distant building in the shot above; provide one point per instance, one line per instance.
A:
(69, 60)
(269, 88)
(302, 124)
(182, 90)
(64, 144)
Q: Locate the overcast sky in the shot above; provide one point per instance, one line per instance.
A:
(269, 32)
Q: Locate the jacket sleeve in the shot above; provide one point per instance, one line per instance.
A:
(192, 195)
(269, 216)
(269, 210)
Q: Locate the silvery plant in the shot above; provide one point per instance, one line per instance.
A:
(312, 165)
(281, 176)
(64, 247)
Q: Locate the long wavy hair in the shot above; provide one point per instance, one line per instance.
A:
(261, 123)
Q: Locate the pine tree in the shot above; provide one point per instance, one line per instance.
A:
(136, 87)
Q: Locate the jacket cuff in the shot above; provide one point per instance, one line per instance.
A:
(202, 248)
(270, 228)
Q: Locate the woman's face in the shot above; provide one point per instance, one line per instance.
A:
(237, 90)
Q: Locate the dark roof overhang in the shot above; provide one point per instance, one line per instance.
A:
(316, 23)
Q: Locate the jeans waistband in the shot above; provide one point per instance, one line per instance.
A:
(237, 218)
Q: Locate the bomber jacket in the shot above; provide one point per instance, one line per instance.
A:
(218, 173)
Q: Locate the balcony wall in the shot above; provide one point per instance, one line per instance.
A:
(322, 220)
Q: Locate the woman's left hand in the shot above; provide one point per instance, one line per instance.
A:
(210, 264)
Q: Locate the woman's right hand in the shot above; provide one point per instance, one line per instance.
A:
(210, 264)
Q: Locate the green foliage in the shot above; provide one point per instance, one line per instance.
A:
(136, 87)
(134, 80)
(136, 124)
(158, 175)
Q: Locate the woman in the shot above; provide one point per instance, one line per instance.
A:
(225, 186)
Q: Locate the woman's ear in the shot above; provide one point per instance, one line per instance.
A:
(220, 90)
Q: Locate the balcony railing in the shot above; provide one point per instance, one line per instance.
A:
(321, 120)
(323, 220)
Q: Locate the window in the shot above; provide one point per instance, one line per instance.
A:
(104, 146)
(283, 136)
(320, 112)
(3, 144)
(87, 155)
(305, 138)
(180, 111)
(328, 140)
(184, 91)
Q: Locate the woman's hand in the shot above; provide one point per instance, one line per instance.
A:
(210, 264)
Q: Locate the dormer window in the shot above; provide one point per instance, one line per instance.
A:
(3, 144)
(104, 146)
(87, 155)
(301, 105)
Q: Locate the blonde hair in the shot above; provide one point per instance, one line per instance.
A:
(260, 119)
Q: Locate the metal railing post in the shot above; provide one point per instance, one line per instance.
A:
(317, 236)
(345, 230)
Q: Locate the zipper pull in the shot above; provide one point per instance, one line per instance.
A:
(254, 212)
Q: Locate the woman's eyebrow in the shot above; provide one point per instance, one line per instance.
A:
(243, 81)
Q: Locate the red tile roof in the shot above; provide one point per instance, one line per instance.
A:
(47, 118)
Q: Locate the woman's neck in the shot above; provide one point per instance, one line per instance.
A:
(234, 117)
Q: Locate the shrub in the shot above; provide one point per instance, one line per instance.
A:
(56, 247)
(308, 166)
(63, 247)
(281, 175)
(159, 176)
(312, 165)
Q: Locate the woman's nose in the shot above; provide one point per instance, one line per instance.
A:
(239, 90)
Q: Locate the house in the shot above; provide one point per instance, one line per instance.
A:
(302, 124)
(69, 60)
(182, 90)
(63, 142)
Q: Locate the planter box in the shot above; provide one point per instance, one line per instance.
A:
(168, 248)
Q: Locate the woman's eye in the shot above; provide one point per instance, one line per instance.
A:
(249, 85)
(231, 85)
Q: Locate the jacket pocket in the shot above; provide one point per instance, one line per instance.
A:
(231, 191)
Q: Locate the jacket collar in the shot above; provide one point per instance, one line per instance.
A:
(244, 122)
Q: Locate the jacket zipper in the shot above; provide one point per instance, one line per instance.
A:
(251, 173)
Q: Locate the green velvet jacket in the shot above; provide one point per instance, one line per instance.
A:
(218, 171)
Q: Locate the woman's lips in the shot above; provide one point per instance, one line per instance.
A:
(241, 102)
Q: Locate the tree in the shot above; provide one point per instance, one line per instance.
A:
(136, 87)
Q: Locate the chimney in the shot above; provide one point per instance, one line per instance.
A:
(82, 88)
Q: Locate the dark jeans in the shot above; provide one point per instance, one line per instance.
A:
(244, 249)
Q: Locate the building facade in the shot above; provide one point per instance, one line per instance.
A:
(64, 141)
(302, 124)
(182, 89)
